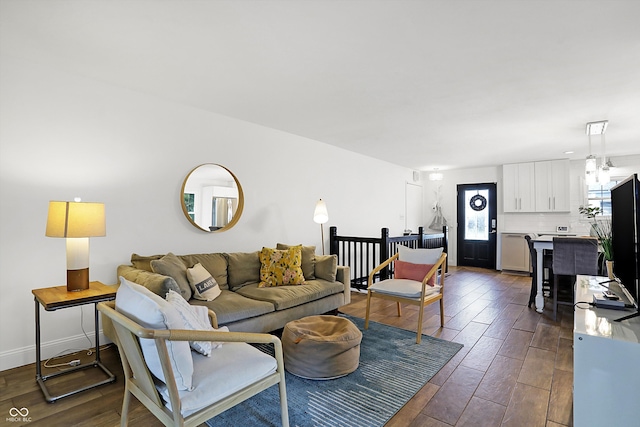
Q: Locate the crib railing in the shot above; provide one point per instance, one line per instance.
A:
(362, 254)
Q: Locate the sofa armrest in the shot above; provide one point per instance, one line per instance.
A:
(156, 283)
(343, 274)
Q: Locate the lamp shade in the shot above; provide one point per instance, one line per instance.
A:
(320, 215)
(76, 219)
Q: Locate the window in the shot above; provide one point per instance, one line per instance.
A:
(600, 196)
(189, 203)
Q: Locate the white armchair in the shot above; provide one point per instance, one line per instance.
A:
(188, 389)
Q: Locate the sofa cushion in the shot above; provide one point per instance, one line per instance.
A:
(203, 286)
(326, 267)
(281, 267)
(231, 306)
(171, 265)
(156, 283)
(214, 263)
(308, 259)
(143, 262)
(244, 268)
(151, 311)
(283, 297)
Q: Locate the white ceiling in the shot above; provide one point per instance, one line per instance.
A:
(423, 84)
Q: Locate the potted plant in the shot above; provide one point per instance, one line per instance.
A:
(589, 211)
(601, 229)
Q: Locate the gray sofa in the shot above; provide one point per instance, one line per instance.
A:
(242, 306)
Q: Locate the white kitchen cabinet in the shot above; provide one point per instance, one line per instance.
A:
(518, 184)
(552, 186)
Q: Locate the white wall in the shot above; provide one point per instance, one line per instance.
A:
(62, 136)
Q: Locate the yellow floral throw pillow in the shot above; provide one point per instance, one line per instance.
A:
(281, 267)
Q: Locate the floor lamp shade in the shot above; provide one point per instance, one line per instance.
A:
(320, 216)
(76, 222)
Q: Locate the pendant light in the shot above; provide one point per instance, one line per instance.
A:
(591, 166)
(594, 174)
(604, 173)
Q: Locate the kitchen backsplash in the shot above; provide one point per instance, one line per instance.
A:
(537, 223)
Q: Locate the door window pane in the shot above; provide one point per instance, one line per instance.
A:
(476, 219)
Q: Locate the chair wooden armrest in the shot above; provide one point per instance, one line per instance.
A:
(377, 269)
(434, 270)
(213, 319)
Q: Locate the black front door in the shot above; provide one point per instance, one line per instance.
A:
(477, 225)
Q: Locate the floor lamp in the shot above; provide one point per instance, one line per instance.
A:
(320, 216)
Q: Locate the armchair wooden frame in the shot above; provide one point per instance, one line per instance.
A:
(422, 301)
(139, 381)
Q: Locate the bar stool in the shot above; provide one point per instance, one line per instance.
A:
(546, 264)
(572, 256)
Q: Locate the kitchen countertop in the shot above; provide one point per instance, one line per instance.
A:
(540, 233)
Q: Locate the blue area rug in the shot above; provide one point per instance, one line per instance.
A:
(392, 369)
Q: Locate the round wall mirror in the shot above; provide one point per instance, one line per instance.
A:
(212, 198)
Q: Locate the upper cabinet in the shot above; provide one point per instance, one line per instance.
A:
(536, 186)
(518, 181)
(552, 186)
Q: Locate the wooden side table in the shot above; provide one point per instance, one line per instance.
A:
(58, 298)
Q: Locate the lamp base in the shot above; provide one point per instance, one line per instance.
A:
(77, 280)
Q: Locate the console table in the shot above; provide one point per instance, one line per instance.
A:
(606, 360)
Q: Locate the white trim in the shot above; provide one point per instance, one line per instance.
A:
(25, 355)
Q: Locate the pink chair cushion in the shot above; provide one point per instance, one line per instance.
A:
(407, 270)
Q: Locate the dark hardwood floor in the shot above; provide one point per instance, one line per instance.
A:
(516, 367)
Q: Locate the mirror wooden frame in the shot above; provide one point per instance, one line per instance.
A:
(238, 210)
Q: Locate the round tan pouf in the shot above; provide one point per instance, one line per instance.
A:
(321, 347)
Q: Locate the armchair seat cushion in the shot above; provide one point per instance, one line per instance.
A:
(233, 367)
(404, 288)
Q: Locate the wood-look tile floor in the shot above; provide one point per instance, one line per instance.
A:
(516, 366)
(515, 369)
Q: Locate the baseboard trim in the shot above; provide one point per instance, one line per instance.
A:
(27, 355)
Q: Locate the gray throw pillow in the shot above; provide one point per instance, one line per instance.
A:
(244, 268)
(326, 267)
(172, 266)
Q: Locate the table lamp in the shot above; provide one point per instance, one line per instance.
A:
(320, 216)
(76, 221)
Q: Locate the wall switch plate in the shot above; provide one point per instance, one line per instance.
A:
(562, 229)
